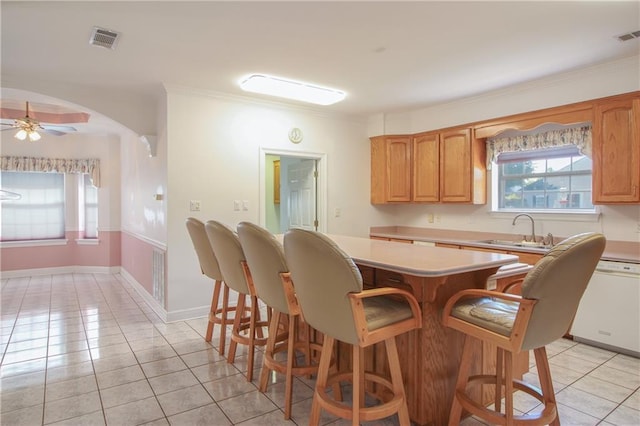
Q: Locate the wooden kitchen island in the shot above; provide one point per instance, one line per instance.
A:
(429, 356)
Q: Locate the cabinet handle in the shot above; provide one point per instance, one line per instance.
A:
(394, 280)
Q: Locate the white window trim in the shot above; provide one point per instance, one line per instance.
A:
(87, 241)
(34, 243)
(560, 216)
(571, 215)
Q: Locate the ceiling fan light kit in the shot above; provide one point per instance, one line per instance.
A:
(29, 128)
(22, 134)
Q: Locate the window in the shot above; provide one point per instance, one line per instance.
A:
(556, 178)
(88, 207)
(39, 213)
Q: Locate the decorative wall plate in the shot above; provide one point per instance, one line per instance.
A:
(295, 135)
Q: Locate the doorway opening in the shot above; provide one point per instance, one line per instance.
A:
(292, 190)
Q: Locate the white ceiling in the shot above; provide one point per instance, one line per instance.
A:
(387, 56)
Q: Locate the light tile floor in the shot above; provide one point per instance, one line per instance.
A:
(85, 349)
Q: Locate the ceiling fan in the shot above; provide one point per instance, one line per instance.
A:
(29, 127)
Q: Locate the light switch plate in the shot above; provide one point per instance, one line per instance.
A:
(194, 205)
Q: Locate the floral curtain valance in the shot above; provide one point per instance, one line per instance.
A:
(90, 166)
(578, 136)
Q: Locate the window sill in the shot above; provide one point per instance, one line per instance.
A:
(558, 216)
(87, 241)
(34, 243)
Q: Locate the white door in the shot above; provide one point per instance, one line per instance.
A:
(301, 180)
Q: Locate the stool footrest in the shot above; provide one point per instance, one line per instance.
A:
(375, 412)
(544, 417)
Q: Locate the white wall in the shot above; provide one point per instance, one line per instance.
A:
(611, 78)
(142, 178)
(214, 149)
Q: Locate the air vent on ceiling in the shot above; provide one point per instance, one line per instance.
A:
(104, 38)
(629, 36)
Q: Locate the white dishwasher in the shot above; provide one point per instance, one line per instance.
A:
(609, 311)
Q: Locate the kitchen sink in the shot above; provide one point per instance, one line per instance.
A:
(508, 243)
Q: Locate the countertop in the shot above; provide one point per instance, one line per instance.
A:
(419, 261)
(622, 251)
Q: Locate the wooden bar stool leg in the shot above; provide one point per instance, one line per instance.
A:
(461, 383)
(499, 378)
(224, 315)
(291, 361)
(212, 310)
(357, 355)
(321, 382)
(396, 379)
(508, 387)
(236, 327)
(252, 336)
(269, 350)
(546, 384)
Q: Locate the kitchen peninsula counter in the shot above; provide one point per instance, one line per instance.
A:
(623, 251)
(429, 356)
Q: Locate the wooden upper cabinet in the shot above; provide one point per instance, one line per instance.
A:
(455, 166)
(390, 169)
(434, 167)
(399, 168)
(616, 151)
(426, 168)
(463, 169)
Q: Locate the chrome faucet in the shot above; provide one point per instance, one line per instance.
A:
(533, 226)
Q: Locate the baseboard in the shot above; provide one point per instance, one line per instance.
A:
(187, 314)
(148, 298)
(166, 316)
(20, 273)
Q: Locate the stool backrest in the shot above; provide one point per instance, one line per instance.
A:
(265, 257)
(204, 251)
(557, 282)
(323, 276)
(227, 249)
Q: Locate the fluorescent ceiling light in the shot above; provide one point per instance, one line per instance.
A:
(276, 86)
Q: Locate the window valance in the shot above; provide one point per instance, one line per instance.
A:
(90, 166)
(578, 136)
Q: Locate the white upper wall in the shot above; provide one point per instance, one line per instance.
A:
(599, 81)
(216, 146)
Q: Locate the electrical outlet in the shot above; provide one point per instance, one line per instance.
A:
(437, 217)
(194, 205)
(236, 205)
(245, 205)
(337, 212)
(430, 217)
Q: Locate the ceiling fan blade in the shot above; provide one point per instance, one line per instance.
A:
(58, 128)
(52, 132)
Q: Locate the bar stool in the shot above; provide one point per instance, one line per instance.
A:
(210, 268)
(265, 258)
(329, 288)
(551, 292)
(227, 249)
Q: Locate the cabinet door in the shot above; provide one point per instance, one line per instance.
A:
(398, 168)
(616, 152)
(528, 258)
(426, 168)
(455, 166)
